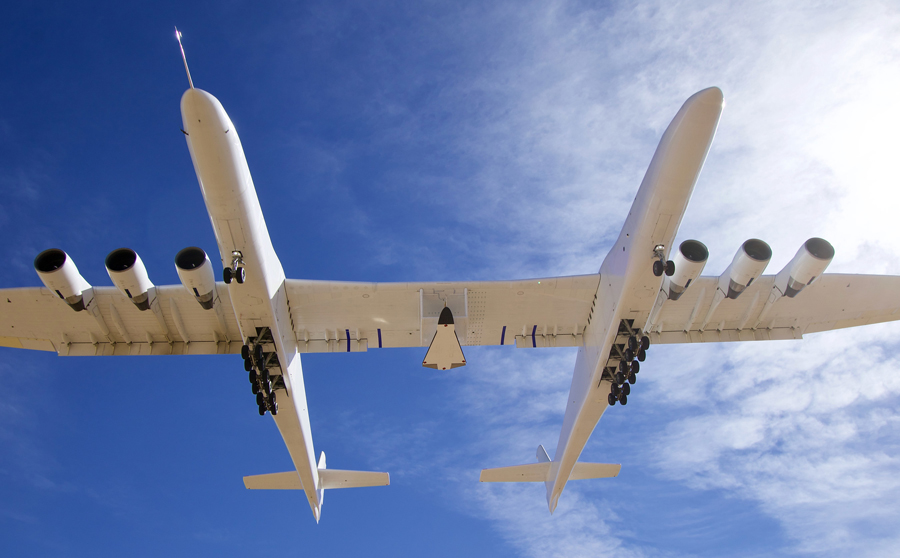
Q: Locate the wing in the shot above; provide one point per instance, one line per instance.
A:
(835, 301)
(35, 318)
(334, 316)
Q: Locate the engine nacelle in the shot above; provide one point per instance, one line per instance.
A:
(748, 264)
(810, 262)
(689, 263)
(129, 275)
(59, 274)
(197, 275)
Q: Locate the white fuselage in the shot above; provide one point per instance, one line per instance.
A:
(260, 302)
(626, 278)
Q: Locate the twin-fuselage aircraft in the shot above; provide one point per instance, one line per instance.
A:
(640, 297)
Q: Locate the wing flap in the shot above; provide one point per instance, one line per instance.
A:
(35, 318)
(834, 301)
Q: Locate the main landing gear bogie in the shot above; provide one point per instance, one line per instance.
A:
(255, 362)
(625, 375)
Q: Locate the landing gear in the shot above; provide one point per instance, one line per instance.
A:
(236, 271)
(256, 362)
(660, 264)
(633, 343)
(630, 350)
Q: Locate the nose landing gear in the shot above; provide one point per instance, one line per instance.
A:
(236, 271)
(660, 264)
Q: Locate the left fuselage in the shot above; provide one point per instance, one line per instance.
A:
(260, 300)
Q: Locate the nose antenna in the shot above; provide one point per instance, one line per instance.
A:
(183, 57)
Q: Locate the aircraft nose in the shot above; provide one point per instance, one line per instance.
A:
(709, 96)
(201, 109)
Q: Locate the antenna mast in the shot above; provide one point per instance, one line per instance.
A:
(183, 57)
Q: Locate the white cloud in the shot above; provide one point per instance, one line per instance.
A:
(805, 148)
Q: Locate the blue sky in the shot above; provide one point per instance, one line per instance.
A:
(456, 140)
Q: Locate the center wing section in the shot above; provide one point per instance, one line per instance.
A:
(341, 316)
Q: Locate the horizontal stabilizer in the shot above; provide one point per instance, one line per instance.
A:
(532, 472)
(274, 481)
(540, 472)
(336, 478)
(328, 478)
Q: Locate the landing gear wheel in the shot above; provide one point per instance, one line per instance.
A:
(262, 411)
(620, 378)
(611, 399)
(274, 410)
(240, 275)
(645, 342)
(629, 355)
(227, 275)
(259, 400)
(626, 389)
(245, 352)
(254, 388)
(633, 343)
(248, 365)
(614, 389)
(258, 352)
(631, 379)
(670, 268)
(635, 367)
(623, 367)
(252, 376)
(623, 399)
(658, 269)
(642, 355)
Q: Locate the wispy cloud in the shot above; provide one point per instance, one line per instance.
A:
(570, 103)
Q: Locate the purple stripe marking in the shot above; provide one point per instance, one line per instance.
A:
(379, 338)
(533, 340)
(348, 340)
(503, 335)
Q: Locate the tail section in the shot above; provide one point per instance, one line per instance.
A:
(328, 479)
(546, 470)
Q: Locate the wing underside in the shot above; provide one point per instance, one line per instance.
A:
(338, 316)
(834, 301)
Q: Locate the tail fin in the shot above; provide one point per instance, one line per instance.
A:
(541, 471)
(328, 478)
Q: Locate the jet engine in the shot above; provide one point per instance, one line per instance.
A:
(748, 264)
(59, 274)
(196, 274)
(129, 275)
(811, 260)
(689, 263)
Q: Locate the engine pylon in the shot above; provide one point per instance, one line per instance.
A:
(445, 351)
